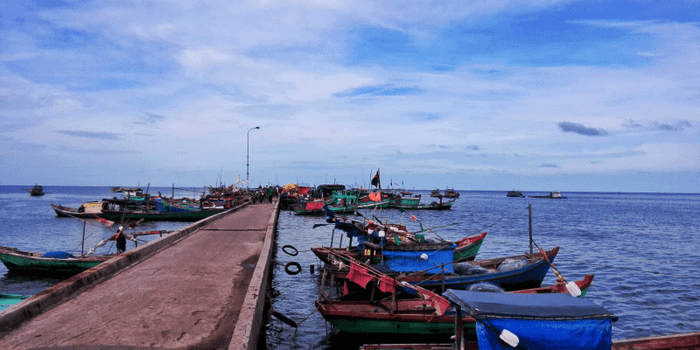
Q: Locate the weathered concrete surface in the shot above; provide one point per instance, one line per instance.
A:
(187, 296)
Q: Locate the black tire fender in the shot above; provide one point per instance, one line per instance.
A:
(292, 268)
(289, 249)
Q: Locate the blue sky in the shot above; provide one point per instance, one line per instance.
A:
(473, 95)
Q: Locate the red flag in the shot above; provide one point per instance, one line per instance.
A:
(375, 180)
(359, 275)
(387, 284)
(414, 218)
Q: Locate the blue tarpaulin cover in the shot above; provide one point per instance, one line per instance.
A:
(541, 321)
(57, 255)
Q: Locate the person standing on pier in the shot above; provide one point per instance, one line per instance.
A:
(121, 240)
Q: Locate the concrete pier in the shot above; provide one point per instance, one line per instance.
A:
(202, 287)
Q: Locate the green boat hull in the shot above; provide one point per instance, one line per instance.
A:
(156, 216)
(468, 252)
(20, 262)
(369, 326)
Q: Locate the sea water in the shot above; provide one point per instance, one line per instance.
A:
(644, 249)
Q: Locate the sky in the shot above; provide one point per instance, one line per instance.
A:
(541, 95)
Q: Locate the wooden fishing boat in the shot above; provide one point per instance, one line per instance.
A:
(510, 273)
(432, 206)
(684, 341)
(515, 193)
(396, 308)
(435, 193)
(130, 210)
(466, 250)
(551, 195)
(194, 215)
(451, 193)
(415, 316)
(7, 300)
(36, 190)
(47, 264)
(523, 272)
(309, 207)
(87, 210)
(522, 321)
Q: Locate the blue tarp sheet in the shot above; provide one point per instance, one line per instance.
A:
(588, 334)
(540, 321)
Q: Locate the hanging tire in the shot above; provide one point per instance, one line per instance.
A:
(290, 250)
(292, 268)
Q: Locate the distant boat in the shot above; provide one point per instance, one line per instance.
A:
(37, 190)
(514, 193)
(451, 193)
(412, 205)
(435, 193)
(552, 195)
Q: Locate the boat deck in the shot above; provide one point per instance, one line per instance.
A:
(200, 291)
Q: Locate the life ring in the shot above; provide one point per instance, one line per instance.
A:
(290, 250)
(292, 271)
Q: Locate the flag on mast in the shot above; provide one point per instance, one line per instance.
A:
(375, 180)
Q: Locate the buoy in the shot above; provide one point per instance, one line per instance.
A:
(292, 268)
(290, 250)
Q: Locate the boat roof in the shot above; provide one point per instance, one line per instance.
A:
(538, 306)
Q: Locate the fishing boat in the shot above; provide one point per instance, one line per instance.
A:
(551, 195)
(466, 250)
(37, 190)
(509, 273)
(521, 321)
(120, 189)
(87, 210)
(413, 316)
(500, 321)
(123, 210)
(56, 264)
(451, 193)
(7, 300)
(432, 206)
(681, 341)
(684, 341)
(61, 263)
(435, 193)
(309, 207)
(193, 215)
(398, 308)
(515, 193)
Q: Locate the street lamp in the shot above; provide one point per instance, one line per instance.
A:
(247, 159)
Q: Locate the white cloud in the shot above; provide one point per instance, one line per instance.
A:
(213, 70)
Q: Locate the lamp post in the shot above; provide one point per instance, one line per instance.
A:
(247, 159)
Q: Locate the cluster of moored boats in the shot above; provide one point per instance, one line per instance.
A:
(125, 213)
(394, 283)
(339, 199)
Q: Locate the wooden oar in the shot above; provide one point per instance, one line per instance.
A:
(571, 287)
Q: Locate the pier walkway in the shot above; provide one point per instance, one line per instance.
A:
(202, 287)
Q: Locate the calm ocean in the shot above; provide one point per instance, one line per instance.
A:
(644, 249)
